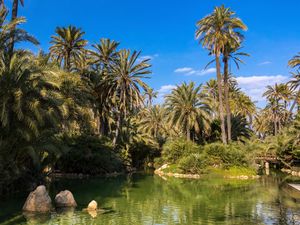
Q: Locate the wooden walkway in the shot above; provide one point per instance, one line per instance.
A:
(295, 186)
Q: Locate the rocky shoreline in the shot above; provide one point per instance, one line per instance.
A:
(291, 172)
(161, 173)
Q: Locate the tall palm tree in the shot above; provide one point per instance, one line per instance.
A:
(294, 86)
(149, 96)
(187, 109)
(15, 8)
(31, 107)
(295, 82)
(295, 61)
(152, 121)
(278, 96)
(67, 45)
(9, 29)
(230, 52)
(210, 88)
(123, 85)
(215, 31)
(104, 53)
(14, 15)
(241, 104)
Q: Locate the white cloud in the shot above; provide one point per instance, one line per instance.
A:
(162, 91)
(255, 86)
(188, 71)
(145, 57)
(166, 89)
(183, 70)
(264, 63)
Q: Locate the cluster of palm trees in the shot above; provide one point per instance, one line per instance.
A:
(281, 101)
(220, 33)
(191, 111)
(69, 91)
(100, 90)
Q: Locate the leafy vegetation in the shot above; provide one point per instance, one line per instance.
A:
(88, 109)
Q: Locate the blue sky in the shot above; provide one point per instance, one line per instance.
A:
(164, 31)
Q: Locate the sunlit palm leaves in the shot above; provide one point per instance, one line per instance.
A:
(188, 109)
(30, 107)
(68, 45)
(152, 120)
(216, 31)
(9, 29)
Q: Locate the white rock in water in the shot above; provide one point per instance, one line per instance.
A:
(38, 200)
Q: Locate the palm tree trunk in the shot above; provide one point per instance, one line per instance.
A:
(188, 133)
(14, 15)
(295, 102)
(226, 86)
(118, 126)
(220, 90)
(275, 125)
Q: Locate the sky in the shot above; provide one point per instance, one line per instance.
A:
(164, 30)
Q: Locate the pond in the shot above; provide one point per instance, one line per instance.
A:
(150, 199)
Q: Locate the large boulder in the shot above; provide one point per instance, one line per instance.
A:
(65, 199)
(92, 206)
(38, 200)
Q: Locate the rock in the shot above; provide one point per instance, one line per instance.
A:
(92, 205)
(93, 213)
(65, 199)
(38, 200)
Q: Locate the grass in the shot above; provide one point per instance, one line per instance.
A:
(172, 168)
(233, 171)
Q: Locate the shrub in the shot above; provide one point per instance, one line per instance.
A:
(194, 163)
(89, 155)
(173, 150)
(225, 155)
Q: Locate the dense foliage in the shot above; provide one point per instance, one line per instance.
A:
(81, 109)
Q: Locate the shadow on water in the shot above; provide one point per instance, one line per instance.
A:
(148, 199)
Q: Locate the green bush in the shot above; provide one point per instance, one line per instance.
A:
(173, 150)
(194, 163)
(89, 155)
(225, 155)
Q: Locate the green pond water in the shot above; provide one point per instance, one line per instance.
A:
(150, 199)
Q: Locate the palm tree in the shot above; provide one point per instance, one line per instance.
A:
(123, 85)
(275, 106)
(68, 45)
(14, 15)
(261, 124)
(230, 52)
(31, 108)
(273, 95)
(210, 88)
(104, 53)
(187, 109)
(15, 7)
(241, 104)
(152, 121)
(215, 31)
(9, 29)
(295, 61)
(149, 96)
(294, 85)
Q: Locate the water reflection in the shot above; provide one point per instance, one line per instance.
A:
(147, 199)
